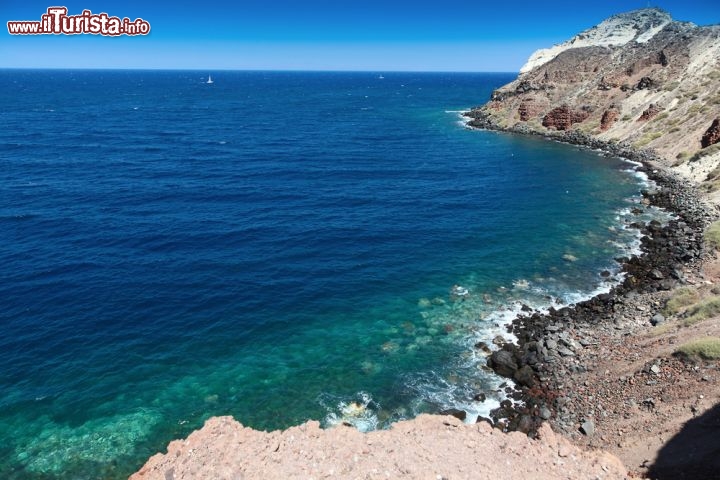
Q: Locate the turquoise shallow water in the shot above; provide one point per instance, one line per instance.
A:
(275, 246)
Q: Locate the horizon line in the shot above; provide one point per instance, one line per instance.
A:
(279, 70)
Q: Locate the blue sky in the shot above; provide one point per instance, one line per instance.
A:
(376, 35)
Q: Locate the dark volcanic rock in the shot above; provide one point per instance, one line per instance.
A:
(645, 83)
(503, 362)
(459, 414)
(525, 376)
(483, 347)
(712, 134)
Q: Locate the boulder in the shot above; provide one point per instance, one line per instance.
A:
(657, 319)
(525, 376)
(483, 347)
(503, 363)
(645, 83)
(587, 428)
(656, 274)
(459, 414)
(545, 413)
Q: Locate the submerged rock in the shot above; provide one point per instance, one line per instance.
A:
(483, 347)
(424, 303)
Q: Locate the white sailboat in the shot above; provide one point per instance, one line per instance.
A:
(209, 80)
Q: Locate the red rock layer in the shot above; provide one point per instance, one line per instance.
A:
(712, 134)
(650, 113)
(609, 117)
(562, 118)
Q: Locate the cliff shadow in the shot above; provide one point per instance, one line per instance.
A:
(694, 453)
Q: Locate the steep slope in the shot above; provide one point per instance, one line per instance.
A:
(639, 78)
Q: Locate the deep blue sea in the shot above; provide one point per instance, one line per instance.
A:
(274, 246)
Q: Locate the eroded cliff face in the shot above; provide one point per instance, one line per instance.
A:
(639, 78)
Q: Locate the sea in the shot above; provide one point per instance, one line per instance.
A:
(275, 246)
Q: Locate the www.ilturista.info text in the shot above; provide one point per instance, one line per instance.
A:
(57, 22)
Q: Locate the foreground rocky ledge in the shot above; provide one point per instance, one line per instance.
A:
(428, 447)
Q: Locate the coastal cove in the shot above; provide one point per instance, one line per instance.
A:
(275, 246)
(625, 370)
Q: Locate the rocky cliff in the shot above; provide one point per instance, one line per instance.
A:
(639, 79)
(429, 447)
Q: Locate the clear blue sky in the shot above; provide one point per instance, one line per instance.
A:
(377, 35)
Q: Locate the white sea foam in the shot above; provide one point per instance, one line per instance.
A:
(432, 389)
(360, 412)
(464, 379)
(462, 121)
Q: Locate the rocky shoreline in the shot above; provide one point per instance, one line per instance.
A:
(555, 366)
(603, 372)
(548, 354)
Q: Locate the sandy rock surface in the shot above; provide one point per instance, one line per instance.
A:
(429, 447)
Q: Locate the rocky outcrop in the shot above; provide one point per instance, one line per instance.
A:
(645, 83)
(609, 117)
(632, 66)
(649, 113)
(529, 109)
(503, 363)
(712, 134)
(563, 117)
(427, 447)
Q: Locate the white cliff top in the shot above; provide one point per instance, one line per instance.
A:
(638, 25)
